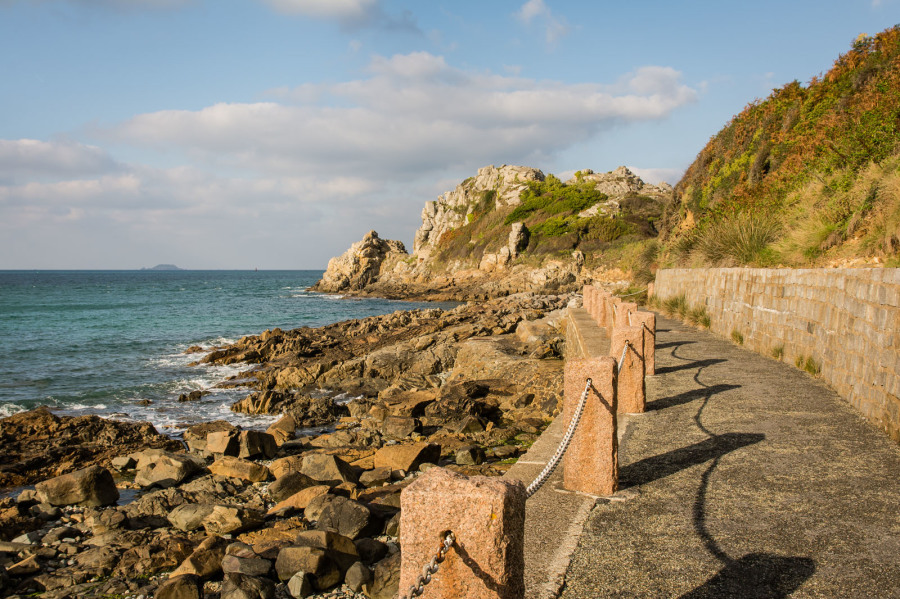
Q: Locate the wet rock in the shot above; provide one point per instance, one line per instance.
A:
(192, 396)
(91, 486)
(164, 469)
(186, 586)
(38, 445)
(407, 457)
(233, 467)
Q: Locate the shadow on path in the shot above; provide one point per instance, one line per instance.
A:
(756, 576)
(675, 344)
(689, 365)
(689, 396)
(661, 466)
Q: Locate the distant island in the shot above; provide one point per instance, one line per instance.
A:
(163, 267)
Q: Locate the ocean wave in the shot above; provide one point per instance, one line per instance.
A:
(81, 406)
(9, 408)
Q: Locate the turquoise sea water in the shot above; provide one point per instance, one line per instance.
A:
(102, 342)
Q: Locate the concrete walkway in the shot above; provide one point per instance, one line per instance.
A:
(746, 478)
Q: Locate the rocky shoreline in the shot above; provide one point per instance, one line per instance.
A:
(242, 513)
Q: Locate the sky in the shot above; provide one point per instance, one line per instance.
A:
(272, 134)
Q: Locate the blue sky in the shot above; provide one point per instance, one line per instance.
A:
(274, 133)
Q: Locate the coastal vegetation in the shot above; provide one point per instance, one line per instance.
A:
(809, 176)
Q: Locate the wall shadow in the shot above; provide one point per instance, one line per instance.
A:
(689, 365)
(661, 466)
(756, 576)
(689, 396)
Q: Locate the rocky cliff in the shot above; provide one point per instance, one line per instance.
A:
(506, 230)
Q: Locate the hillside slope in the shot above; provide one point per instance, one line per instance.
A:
(807, 177)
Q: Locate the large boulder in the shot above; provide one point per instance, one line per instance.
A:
(163, 468)
(185, 586)
(92, 487)
(359, 265)
(407, 457)
(196, 436)
(289, 484)
(241, 586)
(237, 468)
(327, 469)
(226, 519)
(206, 560)
(348, 518)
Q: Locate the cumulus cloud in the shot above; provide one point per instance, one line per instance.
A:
(413, 113)
(31, 158)
(343, 10)
(555, 28)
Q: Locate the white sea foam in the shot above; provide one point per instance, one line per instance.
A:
(8, 409)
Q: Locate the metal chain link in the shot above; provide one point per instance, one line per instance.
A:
(624, 351)
(431, 568)
(538, 482)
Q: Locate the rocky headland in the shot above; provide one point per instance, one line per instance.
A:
(474, 245)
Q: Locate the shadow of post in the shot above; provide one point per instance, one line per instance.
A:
(689, 365)
(689, 396)
(756, 576)
(663, 465)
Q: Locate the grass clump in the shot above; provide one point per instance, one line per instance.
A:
(699, 317)
(737, 337)
(744, 239)
(778, 352)
(811, 366)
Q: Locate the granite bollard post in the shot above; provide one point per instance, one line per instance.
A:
(625, 315)
(630, 378)
(612, 309)
(587, 298)
(591, 462)
(597, 305)
(648, 321)
(487, 516)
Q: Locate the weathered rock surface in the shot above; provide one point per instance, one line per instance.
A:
(92, 486)
(37, 445)
(359, 265)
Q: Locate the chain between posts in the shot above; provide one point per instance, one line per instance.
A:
(624, 351)
(538, 482)
(432, 567)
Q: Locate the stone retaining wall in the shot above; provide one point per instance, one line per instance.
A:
(846, 320)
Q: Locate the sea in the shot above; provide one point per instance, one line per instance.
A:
(112, 343)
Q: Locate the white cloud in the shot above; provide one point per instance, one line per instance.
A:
(555, 28)
(532, 9)
(31, 158)
(414, 114)
(342, 10)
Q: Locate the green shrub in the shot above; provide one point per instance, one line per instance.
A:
(737, 337)
(737, 241)
(778, 352)
(810, 366)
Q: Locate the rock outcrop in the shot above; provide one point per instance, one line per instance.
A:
(361, 265)
(466, 248)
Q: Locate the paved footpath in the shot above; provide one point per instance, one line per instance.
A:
(746, 478)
